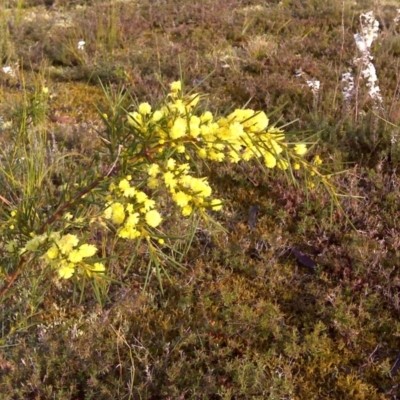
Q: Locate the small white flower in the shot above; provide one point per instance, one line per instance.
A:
(348, 86)
(8, 70)
(361, 43)
(369, 28)
(11, 70)
(314, 85)
(369, 32)
(81, 45)
(369, 73)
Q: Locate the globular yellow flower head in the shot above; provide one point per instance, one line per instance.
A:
(181, 198)
(260, 122)
(145, 108)
(116, 212)
(95, 269)
(153, 183)
(157, 116)
(141, 197)
(169, 179)
(11, 246)
(194, 126)
(300, 149)
(126, 188)
(176, 86)
(153, 218)
(171, 163)
(243, 116)
(35, 242)
(84, 251)
(75, 256)
(52, 253)
(66, 269)
(67, 243)
(216, 204)
(88, 250)
(269, 160)
(124, 184)
(193, 100)
(178, 130)
(153, 170)
(135, 119)
(187, 211)
(200, 187)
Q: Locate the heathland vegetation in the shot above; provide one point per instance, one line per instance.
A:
(199, 199)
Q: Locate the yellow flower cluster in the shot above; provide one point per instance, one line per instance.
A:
(188, 193)
(317, 160)
(175, 133)
(65, 255)
(12, 220)
(133, 212)
(169, 140)
(166, 144)
(242, 135)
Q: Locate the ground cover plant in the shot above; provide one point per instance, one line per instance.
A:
(286, 295)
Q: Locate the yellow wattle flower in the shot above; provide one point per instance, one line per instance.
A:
(153, 218)
(145, 108)
(300, 149)
(66, 270)
(176, 86)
